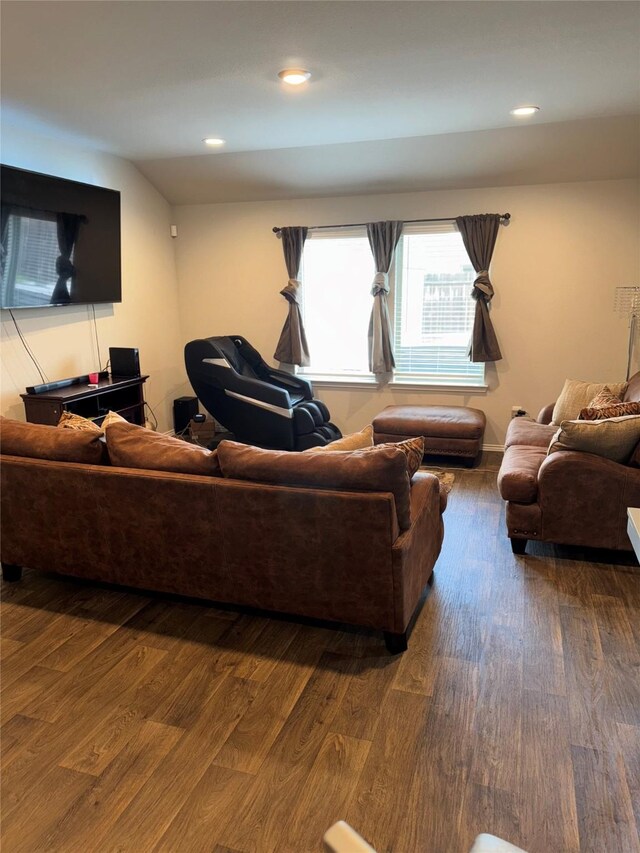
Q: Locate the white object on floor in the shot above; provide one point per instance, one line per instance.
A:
(342, 838)
(633, 528)
(486, 843)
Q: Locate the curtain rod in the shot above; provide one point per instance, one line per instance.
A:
(505, 217)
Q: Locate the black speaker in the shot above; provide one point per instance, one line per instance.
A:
(184, 408)
(125, 362)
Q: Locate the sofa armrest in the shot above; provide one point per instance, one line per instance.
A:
(545, 415)
(584, 498)
(416, 550)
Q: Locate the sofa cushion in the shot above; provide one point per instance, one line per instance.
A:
(518, 476)
(70, 421)
(354, 441)
(576, 395)
(413, 448)
(132, 446)
(634, 461)
(379, 469)
(615, 438)
(525, 431)
(40, 441)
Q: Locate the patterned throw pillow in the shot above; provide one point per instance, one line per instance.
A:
(70, 421)
(413, 449)
(605, 398)
(615, 410)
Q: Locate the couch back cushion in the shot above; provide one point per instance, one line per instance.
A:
(40, 441)
(132, 446)
(577, 395)
(614, 438)
(378, 469)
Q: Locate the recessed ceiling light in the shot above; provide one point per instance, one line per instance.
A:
(525, 111)
(294, 76)
(213, 140)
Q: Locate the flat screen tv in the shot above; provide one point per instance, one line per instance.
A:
(60, 241)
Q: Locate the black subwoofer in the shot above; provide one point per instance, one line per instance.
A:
(184, 408)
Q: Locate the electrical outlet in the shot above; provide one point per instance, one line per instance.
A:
(517, 412)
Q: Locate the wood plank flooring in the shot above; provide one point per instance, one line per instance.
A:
(137, 723)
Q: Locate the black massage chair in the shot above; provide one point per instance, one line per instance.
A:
(257, 403)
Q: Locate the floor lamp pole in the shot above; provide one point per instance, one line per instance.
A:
(632, 332)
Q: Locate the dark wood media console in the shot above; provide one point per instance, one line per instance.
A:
(124, 396)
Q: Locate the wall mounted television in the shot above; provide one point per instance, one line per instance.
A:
(60, 241)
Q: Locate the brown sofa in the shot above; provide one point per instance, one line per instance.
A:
(568, 498)
(324, 553)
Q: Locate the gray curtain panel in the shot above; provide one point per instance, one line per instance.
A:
(68, 225)
(292, 347)
(383, 239)
(479, 234)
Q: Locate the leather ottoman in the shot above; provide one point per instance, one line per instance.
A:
(447, 430)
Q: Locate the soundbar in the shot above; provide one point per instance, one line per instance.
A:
(64, 383)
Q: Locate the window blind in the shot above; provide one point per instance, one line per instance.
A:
(433, 307)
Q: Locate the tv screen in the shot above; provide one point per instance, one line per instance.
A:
(60, 241)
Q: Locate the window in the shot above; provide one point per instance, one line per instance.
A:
(433, 306)
(430, 304)
(337, 273)
(29, 267)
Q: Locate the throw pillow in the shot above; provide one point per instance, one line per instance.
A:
(413, 449)
(70, 421)
(375, 469)
(615, 438)
(354, 441)
(576, 395)
(601, 413)
(112, 418)
(40, 441)
(132, 446)
(604, 398)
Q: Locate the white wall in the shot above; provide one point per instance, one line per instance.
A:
(62, 338)
(555, 269)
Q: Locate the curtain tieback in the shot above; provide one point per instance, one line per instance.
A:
(380, 283)
(64, 267)
(482, 287)
(290, 292)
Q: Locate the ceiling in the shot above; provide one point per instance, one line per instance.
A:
(148, 80)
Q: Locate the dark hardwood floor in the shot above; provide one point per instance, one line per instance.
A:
(137, 723)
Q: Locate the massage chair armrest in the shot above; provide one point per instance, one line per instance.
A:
(291, 382)
(546, 414)
(265, 392)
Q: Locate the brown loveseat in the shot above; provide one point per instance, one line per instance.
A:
(568, 497)
(325, 553)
